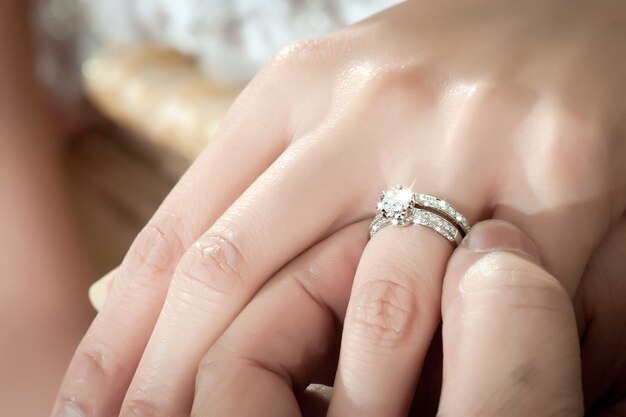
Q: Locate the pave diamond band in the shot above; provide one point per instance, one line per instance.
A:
(400, 207)
(445, 209)
(438, 224)
(423, 218)
(378, 223)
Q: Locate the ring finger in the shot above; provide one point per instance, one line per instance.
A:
(391, 319)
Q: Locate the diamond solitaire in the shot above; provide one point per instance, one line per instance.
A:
(397, 205)
(400, 207)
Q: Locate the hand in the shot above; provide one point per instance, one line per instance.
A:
(251, 374)
(510, 340)
(474, 102)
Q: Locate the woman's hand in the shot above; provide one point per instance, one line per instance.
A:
(510, 110)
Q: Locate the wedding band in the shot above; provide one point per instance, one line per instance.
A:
(438, 224)
(401, 207)
(445, 209)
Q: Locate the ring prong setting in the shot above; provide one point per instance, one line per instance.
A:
(397, 206)
(401, 207)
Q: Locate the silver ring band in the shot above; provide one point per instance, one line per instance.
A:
(400, 207)
(445, 209)
(423, 218)
(378, 223)
(438, 224)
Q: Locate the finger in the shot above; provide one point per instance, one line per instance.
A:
(109, 353)
(99, 290)
(510, 338)
(392, 316)
(314, 402)
(268, 355)
(565, 249)
(267, 226)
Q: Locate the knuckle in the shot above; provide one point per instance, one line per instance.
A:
(213, 267)
(574, 159)
(384, 312)
(98, 359)
(492, 95)
(157, 248)
(410, 88)
(299, 53)
(411, 79)
(504, 277)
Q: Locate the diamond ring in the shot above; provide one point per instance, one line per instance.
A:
(443, 208)
(401, 207)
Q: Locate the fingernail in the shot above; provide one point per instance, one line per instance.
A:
(69, 410)
(493, 235)
(99, 291)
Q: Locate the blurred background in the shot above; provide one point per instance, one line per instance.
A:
(103, 105)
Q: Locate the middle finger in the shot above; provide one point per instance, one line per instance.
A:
(277, 344)
(265, 228)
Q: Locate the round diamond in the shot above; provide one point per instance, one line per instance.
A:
(396, 205)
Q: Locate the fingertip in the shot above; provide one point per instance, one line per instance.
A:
(314, 402)
(99, 291)
(68, 410)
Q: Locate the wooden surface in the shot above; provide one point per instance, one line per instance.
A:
(162, 113)
(158, 93)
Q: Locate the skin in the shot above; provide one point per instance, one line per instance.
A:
(510, 336)
(236, 375)
(509, 339)
(508, 110)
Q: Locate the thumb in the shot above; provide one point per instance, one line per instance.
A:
(510, 340)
